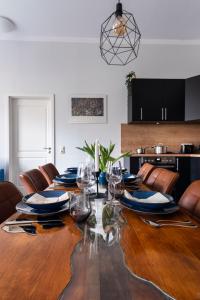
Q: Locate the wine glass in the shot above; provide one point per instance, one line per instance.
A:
(85, 176)
(80, 207)
(85, 179)
(114, 177)
(108, 174)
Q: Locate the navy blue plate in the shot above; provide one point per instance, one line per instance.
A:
(163, 211)
(23, 208)
(146, 205)
(46, 206)
(129, 177)
(72, 170)
(66, 178)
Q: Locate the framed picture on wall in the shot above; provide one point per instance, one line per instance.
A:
(88, 109)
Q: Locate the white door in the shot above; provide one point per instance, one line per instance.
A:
(31, 134)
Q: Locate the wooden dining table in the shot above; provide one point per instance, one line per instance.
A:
(112, 255)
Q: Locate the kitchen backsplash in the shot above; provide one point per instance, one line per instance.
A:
(148, 135)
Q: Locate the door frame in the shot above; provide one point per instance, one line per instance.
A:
(9, 100)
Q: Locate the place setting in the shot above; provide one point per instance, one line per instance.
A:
(39, 208)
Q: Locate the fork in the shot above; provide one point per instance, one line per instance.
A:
(154, 224)
(174, 221)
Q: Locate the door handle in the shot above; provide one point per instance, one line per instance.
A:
(47, 148)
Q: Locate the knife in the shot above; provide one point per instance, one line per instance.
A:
(23, 222)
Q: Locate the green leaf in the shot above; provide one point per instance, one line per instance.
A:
(105, 154)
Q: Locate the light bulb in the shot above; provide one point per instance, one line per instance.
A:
(119, 26)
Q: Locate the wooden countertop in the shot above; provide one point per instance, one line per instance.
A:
(87, 262)
(167, 154)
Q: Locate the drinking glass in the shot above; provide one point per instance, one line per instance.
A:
(85, 176)
(80, 207)
(114, 177)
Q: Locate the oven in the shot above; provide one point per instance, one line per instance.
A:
(167, 162)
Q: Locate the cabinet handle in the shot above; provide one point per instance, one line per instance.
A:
(177, 164)
(165, 114)
(162, 113)
(141, 114)
(140, 162)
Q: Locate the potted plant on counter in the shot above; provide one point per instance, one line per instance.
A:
(105, 156)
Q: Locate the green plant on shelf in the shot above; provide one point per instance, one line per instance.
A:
(129, 78)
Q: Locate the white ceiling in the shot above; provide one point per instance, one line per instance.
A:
(46, 19)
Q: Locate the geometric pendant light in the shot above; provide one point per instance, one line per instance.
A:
(119, 38)
(6, 25)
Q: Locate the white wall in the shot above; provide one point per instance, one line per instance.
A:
(64, 69)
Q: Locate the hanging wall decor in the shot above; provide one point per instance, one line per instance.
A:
(88, 108)
(120, 37)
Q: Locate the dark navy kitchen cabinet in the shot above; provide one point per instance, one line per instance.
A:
(192, 98)
(174, 99)
(156, 100)
(145, 97)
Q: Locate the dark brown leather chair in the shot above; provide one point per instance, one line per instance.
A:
(162, 180)
(33, 181)
(49, 171)
(145, 171)
(191, 198)
(9, 197)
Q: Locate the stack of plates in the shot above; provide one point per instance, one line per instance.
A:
(149, 202)
(68, 179)
(44, 203)
(131, 181)
(72, 170)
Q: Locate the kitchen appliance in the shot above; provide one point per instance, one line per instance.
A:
(160, 149)
(167, 162)
(140, 150)
(187, 148)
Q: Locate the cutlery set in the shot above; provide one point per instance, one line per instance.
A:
(175, 223)
(28, 222)
(15, 226)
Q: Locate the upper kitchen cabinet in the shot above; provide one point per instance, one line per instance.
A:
(144, 97)
(192, 98)
(156, 100)
(174, 99)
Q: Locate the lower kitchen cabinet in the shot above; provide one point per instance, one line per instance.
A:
(194, 168)
(184, 170)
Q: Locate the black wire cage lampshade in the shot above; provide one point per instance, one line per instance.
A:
(120, 37)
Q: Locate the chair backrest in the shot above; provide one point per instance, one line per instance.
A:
(191, 198)
(145, 171)
(9, 197)
(162, 180)
(49, 171)
(33, 181)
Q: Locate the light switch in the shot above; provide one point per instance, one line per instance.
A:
(62, 150)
